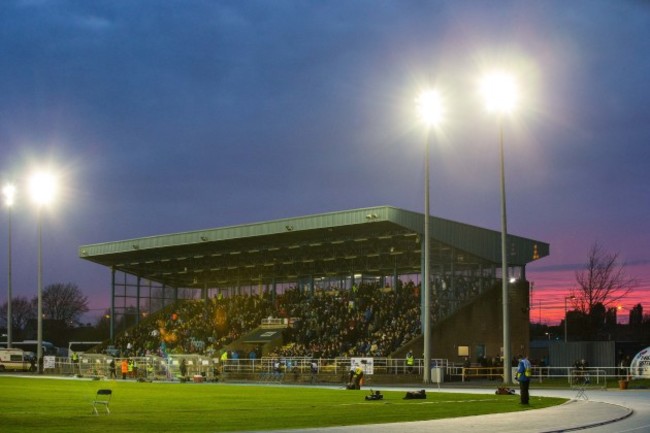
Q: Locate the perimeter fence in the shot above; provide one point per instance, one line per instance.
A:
(200, 368)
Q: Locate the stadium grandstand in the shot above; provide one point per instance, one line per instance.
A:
(334, 284)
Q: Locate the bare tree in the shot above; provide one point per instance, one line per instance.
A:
(602, 281)
(22, 311)
(64, 302)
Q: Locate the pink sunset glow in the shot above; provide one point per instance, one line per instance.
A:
(550, 288)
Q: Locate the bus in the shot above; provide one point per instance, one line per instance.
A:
(30, 346)
(80, 347)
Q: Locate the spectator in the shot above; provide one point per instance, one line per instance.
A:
(183, 368)
(524, 372)
(111, 369)
(356, 377)
(313, 369)
(409, 361)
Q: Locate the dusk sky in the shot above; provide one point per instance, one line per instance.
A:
(170, 116)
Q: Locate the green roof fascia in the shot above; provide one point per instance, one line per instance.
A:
(484, 243)
(481, 242)
(274, 227)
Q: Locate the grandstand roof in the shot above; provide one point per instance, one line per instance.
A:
(377, 241)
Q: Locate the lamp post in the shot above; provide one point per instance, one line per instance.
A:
(430, 112)
(500, 96)
(42, 189)
(9, 192)
(566, 317)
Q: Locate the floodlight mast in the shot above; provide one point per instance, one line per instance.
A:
(500, 96)
(9, 193)
(42, 187)
(430, 111)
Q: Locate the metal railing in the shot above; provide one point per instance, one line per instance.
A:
(275, 369)
(591, 376)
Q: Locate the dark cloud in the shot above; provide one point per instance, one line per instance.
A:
(210, 113)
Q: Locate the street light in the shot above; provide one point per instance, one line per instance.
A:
(9, 193)
(566, 318)
(619, 308)
(42, 188)
(500, 96)
(429, 106)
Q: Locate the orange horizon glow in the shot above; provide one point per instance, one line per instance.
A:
(550, 288)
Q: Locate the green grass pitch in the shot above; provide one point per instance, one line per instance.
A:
(57, 405)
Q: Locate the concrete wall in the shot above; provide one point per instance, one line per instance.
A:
(481, 324)
(596, 353)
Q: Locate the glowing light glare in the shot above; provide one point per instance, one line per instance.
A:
(9, 192)
(429, 105)
(499, 91)
(42, 188)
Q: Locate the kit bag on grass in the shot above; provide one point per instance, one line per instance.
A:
(375, 395)
(411, 395)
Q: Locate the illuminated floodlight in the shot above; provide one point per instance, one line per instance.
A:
(429, 106)
(499, 91)
(430, 110)
(42, 188)
(9, 193)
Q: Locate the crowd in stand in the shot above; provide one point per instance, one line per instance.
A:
(195, 326)
(364, 321)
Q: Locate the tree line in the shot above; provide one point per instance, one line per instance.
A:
(63, 307)
(601, 285)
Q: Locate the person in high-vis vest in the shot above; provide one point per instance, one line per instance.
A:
(223, 359)
(524, 372)
(410, 360)
(356, 377)
(74, 357)
(125, 368)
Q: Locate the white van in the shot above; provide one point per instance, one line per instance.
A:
(15, 360)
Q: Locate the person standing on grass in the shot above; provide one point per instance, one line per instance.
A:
(410, 360)
(524, 372)
(356, 377)
(125, 368)
(183, 368)
(313, 367)
(111, 369)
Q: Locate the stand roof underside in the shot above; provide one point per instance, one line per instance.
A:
(376, 241)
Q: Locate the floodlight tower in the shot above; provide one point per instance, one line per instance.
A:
(42, 187)
(500, 95)
(430, 111)
(9, 193)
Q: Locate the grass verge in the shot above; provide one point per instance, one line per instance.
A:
(51, 405)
